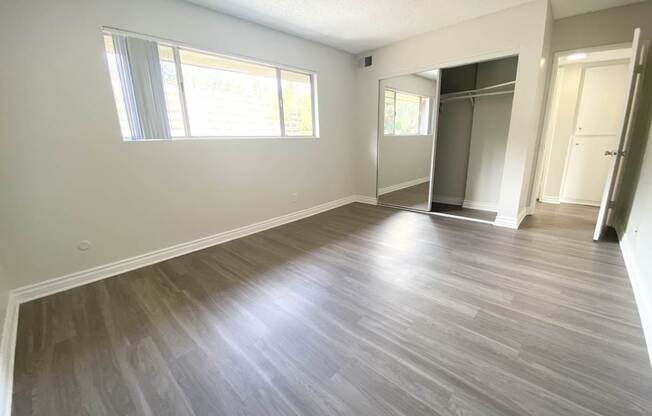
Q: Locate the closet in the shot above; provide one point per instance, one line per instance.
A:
(442, 137)
(475, 106)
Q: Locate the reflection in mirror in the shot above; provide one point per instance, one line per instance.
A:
(405, 142)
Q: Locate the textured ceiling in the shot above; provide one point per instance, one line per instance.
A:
(360, 25)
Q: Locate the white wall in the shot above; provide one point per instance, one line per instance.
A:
(569, 84)
(66, 175)
(405, 158)
(520, 30)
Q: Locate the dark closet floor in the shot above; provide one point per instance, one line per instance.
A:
(459, 211)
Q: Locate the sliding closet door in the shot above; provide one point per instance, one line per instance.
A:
(434, 124)
(636, 68)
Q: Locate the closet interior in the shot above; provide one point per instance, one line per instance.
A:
(442, 138)
(473, 125)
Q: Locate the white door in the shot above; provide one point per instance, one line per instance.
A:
(600, 106)
(635, 73)
(587, 169)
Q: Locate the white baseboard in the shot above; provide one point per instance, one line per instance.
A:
(363, 199)
(481, 206)
(445, 199)
(511, 222)
(69, 281)
(642, 296)
(7, 353)
(549, 199)
(566, 200)
(403, 185)
(72, 280)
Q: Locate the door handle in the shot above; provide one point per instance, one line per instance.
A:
(614, 153)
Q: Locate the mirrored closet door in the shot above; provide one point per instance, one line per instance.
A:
(407, 122)
(443, 136)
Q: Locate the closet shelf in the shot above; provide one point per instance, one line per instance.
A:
(480, 92)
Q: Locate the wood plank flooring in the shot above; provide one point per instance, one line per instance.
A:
(413, 197)
(459, 211)
(361, 310)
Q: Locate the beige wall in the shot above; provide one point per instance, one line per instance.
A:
(405, 158)
(66, 175)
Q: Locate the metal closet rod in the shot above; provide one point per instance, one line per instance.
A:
(466, 97)
(478, 91)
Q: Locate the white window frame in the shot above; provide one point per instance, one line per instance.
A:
(418, 134)
(177, 46)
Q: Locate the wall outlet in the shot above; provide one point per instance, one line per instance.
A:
(84, 245)
(294, 197)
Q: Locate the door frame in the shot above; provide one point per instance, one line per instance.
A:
(550, 117)
(571, 138)
(472, 59)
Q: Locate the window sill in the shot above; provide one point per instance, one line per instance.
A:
(217, 138)
(407, 135)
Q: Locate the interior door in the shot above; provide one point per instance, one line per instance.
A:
(433, 126)
(600, 105)
(587, 169)
(635, 73)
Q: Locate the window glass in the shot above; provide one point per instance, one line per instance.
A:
(297, 103)
(229, 98)
(424, 122)
(164, 91)
(389, 112)
(171, 91)
(407, 114)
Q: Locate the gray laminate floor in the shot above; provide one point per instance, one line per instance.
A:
(361, 310)
(413, 197)
(459, 211)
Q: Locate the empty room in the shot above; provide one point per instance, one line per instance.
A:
(310, 207)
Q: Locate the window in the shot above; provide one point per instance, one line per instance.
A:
(164, 91)
(406, 114)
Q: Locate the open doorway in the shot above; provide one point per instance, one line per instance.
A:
(583, 121)
(587, 125)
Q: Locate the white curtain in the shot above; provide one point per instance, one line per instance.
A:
(142, 76)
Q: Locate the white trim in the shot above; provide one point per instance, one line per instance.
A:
(511, 222)
(642, 296)
(481, 206)
(7, 354)
(457, 217)
(578, 201)
(403, 185)
(530, 210)
(363, 199)
(69, 281)
(72, 280)
(445, 199)
(550, 199)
